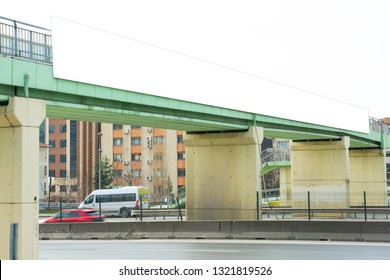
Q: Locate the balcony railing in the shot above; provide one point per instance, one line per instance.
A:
(25, 41)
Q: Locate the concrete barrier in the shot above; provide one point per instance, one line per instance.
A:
(283, 230)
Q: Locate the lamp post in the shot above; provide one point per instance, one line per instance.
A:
(99, 158)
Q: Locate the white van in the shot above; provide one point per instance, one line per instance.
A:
(117, 201)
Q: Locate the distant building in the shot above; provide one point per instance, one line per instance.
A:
(63, 147)
(43, 170)
(152, 157)
(387, 121)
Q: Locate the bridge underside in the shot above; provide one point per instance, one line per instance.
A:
(133, 114)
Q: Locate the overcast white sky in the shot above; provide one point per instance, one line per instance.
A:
(338, 49)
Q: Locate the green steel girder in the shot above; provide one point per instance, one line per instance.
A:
(81, 101)
(270, 166)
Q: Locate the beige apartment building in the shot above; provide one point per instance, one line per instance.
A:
(151, 157)
(145, 156)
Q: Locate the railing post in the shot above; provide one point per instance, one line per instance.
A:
(257, 206)
(100, 210)
(48, 203)
(15, 38)
(61, 209)
(13, 245)
(46, 59)
(178, 206)
(31, 45)
(308, 204)
(365, 206)
(140, 207)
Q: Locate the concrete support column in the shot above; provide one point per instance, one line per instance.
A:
(368, 173)
(223, 175)
(285, 186)
(321, 167)
(19, 174)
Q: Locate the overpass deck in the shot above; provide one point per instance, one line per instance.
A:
(87, 102)
(27, 70)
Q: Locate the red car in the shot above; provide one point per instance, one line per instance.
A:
(75, 216)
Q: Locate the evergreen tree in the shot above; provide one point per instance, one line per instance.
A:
(106, 175)
(169, 186)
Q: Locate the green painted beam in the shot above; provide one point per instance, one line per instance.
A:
(81, 101)
(119, 116)
(270, 166)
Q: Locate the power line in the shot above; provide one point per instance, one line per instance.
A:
(207, 62)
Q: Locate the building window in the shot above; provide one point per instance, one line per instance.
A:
(117, 173)
(62, 128)
(73, 188)
(73, 149)
(136, 173)
(388, 171)
(180, 139)
(158, 156)
(52, 173)
(62, 188)
(42, 132)
(117, 126)
(53, 188)
(181, 172)
(282, 144)
(63, 158)
(52, 128)
(52, 143)
(52, 159)
(159, 140)
(118, 141)
(117, 157)
(135, 140)
(63, 143)
(181, 155)
(135, 157)
(63, 173)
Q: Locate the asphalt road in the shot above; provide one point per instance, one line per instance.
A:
(211, 250)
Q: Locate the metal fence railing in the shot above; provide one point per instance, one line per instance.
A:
(25, 41)
(317, 203)
(275, 155)
(379, 126)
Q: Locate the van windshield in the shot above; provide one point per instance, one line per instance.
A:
(89, 199)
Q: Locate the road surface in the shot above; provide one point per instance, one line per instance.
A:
(211, 249)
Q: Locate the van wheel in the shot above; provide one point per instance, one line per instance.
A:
(124, 213)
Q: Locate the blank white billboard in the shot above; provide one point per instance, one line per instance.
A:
(92, 56)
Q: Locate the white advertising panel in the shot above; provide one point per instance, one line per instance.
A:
(88, 55)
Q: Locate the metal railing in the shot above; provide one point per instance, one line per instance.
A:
(25, 41)
(299, 203)
(275, 155)
(379, 126)
(31, 42)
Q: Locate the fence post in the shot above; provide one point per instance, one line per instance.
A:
(308, 204)
(15, 39)
(178, 206)
(140, 207)
(13, 245)
(48, 203)
(257, 206)
(365, 206)
(100, 210)
(61, 209)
